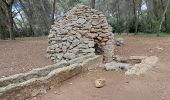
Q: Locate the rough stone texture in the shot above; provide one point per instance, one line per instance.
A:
(138, 57)
(57, 73)
(141, 68)
(99, 83)
(130, 60)
(76, 33)
(116, 66)
(119, 41)
(35, 73)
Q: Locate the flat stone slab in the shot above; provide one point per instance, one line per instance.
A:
(141, 68)
(116, 66)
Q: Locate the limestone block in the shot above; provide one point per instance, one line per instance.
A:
(69, 55)
(91, 44)
(60, 56)
(78, 35)
(81, 21)
(51, 35)
(90, 50)
(99, 83)
(83, 46)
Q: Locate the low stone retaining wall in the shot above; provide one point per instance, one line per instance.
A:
(26, 85)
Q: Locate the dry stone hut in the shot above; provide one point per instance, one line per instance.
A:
(81, 31)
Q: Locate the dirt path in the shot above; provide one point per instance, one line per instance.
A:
(22, 55)
(154, 85)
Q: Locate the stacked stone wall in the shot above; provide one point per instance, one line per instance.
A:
(81, 31)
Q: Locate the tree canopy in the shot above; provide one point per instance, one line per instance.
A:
(20, 18)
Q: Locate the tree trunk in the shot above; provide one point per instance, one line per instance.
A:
(11, 27)
(38, 15)
(93, 4)
(53, 11)
(163, 8)
(128, 18)
(9, 22)
(118, 13)
(2, 35)
(163, 17)
(29, 17)
(135, 16)
(138, 16)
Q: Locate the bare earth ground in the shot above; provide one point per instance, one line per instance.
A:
(154, 85)
(22, 55)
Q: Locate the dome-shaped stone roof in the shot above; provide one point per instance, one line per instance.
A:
(81, 31)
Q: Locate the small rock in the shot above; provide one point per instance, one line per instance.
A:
(58, 38)
(56, 45)
(60, 45)
(70, 39)
(119, 41)
(99, 38)
(85, 40)
(159, 48)
(89, 50)
(53, 42)
(78, 35)
(91, 35)
(99, 83)
(75, 51)
(83, 46)
(95, 23)
(63, 31)
(72, 32)
(67, 44)
(53, 47)
(75, 42)
(91, 44)
(69, 55)
(58, 50)
(116, 66)
(51, 87)
(87, 27)
(51, 35)
(65, 38)
(48, 49)
(60, 56)
(81, 21)
(64, 48)
(55, 92)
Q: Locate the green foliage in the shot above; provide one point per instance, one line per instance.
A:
(117, 25)
(3, 32)
(120, 14)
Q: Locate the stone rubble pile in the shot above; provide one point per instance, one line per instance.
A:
(141, 68)
(81, 31)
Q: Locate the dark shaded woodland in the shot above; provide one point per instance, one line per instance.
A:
(25, 18)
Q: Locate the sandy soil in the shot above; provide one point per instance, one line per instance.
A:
(154, 85)
(22, 55)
